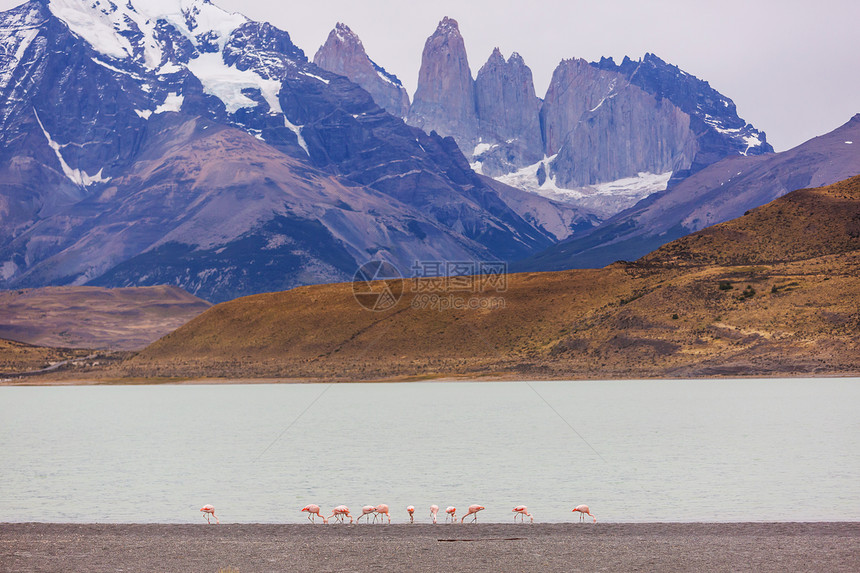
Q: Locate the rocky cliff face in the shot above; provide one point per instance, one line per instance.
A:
(575, 88)
(343, 54)
(713, 116)
(625, 134)
(604, 136)
(445, 99)
(508, 115)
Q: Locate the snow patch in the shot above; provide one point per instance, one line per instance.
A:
(173, 102)
(105, 24)
(483, 148)
(226, 83)
(77, 176)
(114, 69)
(96, 24)
(168, 68)
(621, 193)
(751, 141)
(23, 33)
(643, 182)
(386, 79)
(297, 129)
(323, 80)
(144, 113)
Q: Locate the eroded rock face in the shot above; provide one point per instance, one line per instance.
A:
(508, 115)
(445, 99)
(344, 54)
(713, 116)
(626, 134)
(576, 87)
(604, 129)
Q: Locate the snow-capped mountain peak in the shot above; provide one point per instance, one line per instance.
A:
(130, 30)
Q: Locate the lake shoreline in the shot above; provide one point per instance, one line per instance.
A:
(757, 546)
(31, 380)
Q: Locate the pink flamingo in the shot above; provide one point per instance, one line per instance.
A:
(340, 512)
(207, 511)
(473, 511)
(583, 509)
(313, 509)
(411, 510)
(365, 512)
(452, 512)
(522, 511)
(434, 509)
(381, 510)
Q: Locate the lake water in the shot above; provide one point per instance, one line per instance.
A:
(710, 450)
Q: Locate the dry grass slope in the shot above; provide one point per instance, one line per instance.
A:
(17, 357)
(805, 224)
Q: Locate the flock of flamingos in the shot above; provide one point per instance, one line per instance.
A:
(341, 512)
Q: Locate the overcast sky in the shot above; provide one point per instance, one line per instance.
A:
(791, 67)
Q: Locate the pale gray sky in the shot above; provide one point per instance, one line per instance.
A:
(792, 67)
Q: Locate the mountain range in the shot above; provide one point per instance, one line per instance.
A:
(175, 143)
(598, 122)
(171, 142)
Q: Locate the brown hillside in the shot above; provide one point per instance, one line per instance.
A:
(804, 224)
(17, 357)
(95, 317)
(772, 313)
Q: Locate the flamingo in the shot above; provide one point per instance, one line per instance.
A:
(381, 510)
(473, 511)
(583, 509)
(313, 509)
(341, 511)
(207, 511)
(452, 512)
(410, 510)
(365, 512)
(434, 509)
(522, 511)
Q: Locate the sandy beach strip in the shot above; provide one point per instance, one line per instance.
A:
(471, 547)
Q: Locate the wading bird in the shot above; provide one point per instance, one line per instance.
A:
(583, 509)
(381, 510)
(313, 509)
(365, 512)
(473, 511)
(434, 509)
(452, 512)
(522, 511)
(411, 510)
(340, 512)
(207, 511)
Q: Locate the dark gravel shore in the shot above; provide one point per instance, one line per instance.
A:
(251, 548)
